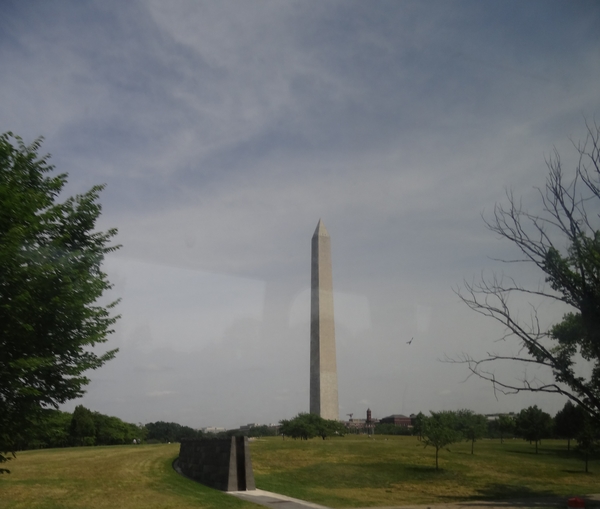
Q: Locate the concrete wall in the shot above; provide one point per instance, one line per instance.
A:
(223, 464)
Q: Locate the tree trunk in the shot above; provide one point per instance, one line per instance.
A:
(472, 445)
(536, 442)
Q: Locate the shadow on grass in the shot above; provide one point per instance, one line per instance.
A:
(505, 491)
(545, 448)
(379, 475)
(541, 452)
(510, 495)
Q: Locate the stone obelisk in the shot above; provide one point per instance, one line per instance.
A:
(323, 370)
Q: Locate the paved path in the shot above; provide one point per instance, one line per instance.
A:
(591, 501)
(274, 500)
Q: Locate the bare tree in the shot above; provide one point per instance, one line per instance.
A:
(563, 240)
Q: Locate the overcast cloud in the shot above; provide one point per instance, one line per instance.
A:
(225, 129)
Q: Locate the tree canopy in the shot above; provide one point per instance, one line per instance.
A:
(164, 432)
(569, 421)
(50, 282)
(472, 426)
(505, 426)
(439, 431)
(533, 424)
(82, 428)
(588, 439)
(562, 240)
(305, 426)
(55, 428)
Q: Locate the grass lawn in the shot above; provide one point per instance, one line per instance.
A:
(355, 471)
(120, 477)
(343, 472)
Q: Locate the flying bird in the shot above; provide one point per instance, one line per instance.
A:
(409, 342)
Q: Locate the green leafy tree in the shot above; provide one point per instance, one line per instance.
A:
(439, 431)
(83, 428)
(331, 428)
(588, 439)
(114, 431)
(561, 239)
(472, 426)
(161, 431)
(569, 422)
(506, 426)
(262, 431)
(50, 282)
(418, 425)
(305, 426)
(533, 424)
(164, 432)
(299, 427)
(110, 430)
(51, 430)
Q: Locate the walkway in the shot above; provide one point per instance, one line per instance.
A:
(276, 501)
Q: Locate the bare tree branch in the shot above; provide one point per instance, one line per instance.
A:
(563, 241)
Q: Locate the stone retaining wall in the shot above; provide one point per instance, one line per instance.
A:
(224, 464)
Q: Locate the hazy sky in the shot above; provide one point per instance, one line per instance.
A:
(225, 129)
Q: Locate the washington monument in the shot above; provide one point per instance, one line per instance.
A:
(323, 371)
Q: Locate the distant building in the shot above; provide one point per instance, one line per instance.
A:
(361, 425)
(397, 420)
(213, 429)
(494, 417)
(355, 424)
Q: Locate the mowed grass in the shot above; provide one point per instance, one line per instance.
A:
(344, 472)
(360, 472)
(128, 477)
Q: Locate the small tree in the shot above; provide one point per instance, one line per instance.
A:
(568, 422)
(506, 425)
(472, 426)
(533, 424)
(50, 281)
(588, 439)
(439, 431)
(418, 425)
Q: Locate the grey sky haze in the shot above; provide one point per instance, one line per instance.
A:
(225, 129)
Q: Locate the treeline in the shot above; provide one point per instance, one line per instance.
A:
(503, 427)
(54, 428)
(532, 424)
(305, 426)
(253, 432)
(165, 432)
(441, 429)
